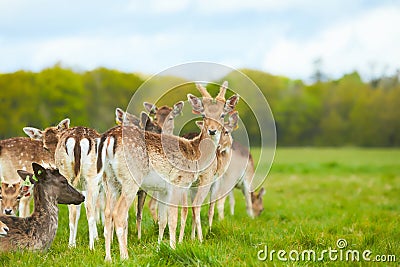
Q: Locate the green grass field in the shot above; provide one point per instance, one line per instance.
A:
(314, 197)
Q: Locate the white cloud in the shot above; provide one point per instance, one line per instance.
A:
(351, 45)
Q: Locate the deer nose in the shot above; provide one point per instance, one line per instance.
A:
(8, 211)
(212, 132)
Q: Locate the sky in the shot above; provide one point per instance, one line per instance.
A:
(280, 37)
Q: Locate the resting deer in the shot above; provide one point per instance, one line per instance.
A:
(10, 196)
(145, 153)
(18, 153)
(75, 157)
(37, 232)
(3, 229)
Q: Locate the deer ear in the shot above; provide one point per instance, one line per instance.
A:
(33, 133)
(197, 105)
(150, 108)
(231, 103)
(144, 119)
(38, 170)
(261, 193)
(177, 108)
(25, 177)
(200, 124)
(64, 124)
(119, 116)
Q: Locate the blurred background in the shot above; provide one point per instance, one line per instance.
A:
(329, 70)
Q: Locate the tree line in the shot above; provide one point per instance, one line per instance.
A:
(343, 112)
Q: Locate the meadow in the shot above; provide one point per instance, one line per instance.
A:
(315, 196)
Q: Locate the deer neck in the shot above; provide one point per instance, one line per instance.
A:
(207, 150)
(45, 213)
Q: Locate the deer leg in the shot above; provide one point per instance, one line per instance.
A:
(162, 215)
(220, 207)
(153, 207)
(74, 214)
(141, 198)
(198, 201)
(184, 212)
(108, 222)
(232, 202)
(120, 216)
(172, 223)
(247, 195)
(90, 205)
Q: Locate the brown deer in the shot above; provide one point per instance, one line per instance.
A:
(164, 163)
(223, 156)
(37, 232)
(10, 196)
(3, 229)
(18, 153)
(75, 157)
(165, 118)
(241, 176)
(144, 123)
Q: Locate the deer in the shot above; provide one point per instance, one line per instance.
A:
(240, 176)
(75, 157)
(10, 196)
(158, 161)
(3, 229)
(18, 153)
(37, 232)
(144, 123)
(165, 118)
(218, 188)
(243, 178)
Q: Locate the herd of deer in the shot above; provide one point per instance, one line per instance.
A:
(170, 166)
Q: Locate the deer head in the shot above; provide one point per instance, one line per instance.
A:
(10, 196)
(144, 123)
(49, 136)
(257, 202)
(54, 184)
(212, 110)
(164, 116)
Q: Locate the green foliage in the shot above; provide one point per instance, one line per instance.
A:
(343, 112)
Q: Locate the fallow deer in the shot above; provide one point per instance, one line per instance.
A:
(170, 174)
(18, 153)
(218, 188)
(165, 118)
(75, 157)
(144, 123)
(37, 232)
(243, 177)
(3, 229)
(10, 196)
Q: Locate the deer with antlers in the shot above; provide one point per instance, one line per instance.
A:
(164, 163)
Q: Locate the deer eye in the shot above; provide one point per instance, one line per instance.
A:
(203, 115)
(19, 197)
(1, 197)
(223, 115)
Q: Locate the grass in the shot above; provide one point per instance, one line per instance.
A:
(314, 197)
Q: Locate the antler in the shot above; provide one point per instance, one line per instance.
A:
(203, 91)
(222, 91)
